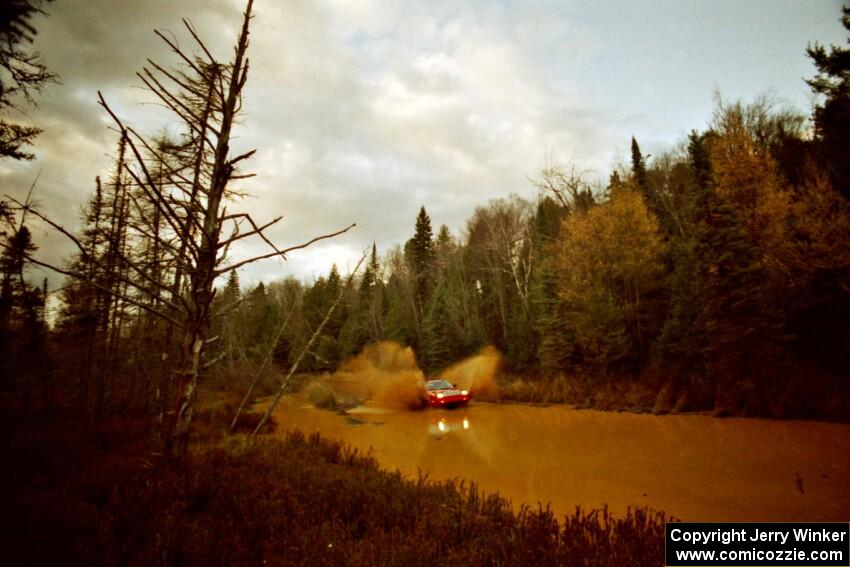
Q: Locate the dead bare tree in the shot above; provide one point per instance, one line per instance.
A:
(567, 185)
(267, 358)
(197, 230)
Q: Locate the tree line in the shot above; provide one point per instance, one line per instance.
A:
(717, 273)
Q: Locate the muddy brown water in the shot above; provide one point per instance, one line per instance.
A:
(694, 467)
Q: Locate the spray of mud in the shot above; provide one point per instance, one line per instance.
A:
(387, 374)
(476, 374)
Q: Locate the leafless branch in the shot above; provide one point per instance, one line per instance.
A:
(88, 257)
(285, 382)
(94, 284)
(257, 230)
(285, 251)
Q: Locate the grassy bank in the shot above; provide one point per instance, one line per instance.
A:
(811, 395)
(96, 496)
(581, 393)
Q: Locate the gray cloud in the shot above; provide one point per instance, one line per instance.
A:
(364, 111)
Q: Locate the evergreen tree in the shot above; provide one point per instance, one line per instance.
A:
(551, 341)
(261, 322)
(22, 325)
(832, 116)
(645, 185)
(231, 320)
(681, 345)
(318, 299)
(556, 342)
(638, 167)
(232, 291)
(399, 320)
(22, 72)
(744, 332)
(439, 336)
(365, 323)
(444, 239)
(423, 256)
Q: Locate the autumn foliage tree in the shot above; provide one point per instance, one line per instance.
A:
(609, 267)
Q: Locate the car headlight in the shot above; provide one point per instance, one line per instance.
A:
(440, 396)
(464, 393)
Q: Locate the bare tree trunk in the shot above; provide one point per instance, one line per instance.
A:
(285, 382)
(266, 360)
(203, 278)
(105, 342)
(207, 101)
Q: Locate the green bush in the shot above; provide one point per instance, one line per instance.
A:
(322, 396)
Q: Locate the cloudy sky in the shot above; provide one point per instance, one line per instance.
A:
(363, 111)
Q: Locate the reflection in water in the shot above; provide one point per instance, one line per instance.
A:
(440, 424)
(694, 467)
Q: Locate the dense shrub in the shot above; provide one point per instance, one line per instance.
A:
(322, 396)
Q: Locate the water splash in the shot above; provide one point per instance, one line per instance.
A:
(387, 374)
(476, 373)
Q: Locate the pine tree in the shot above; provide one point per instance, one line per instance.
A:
(423, 256)
(398, 321)
(744, 332)
(439, 336)
(444, 239)
(552, 341)
(22, 73)
(232, 291)
(21, 324)
(84, 302)
(681, 345)
(646, 186)
(326, 353)
(366, 321)
(638, 167)
(832, 116)
(556, 349)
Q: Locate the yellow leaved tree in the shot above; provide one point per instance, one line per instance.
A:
(609, 265)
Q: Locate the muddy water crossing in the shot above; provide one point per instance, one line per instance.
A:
(693, 467)
(387, 375)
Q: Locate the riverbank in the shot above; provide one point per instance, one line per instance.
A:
(663, 396)
(95, 495)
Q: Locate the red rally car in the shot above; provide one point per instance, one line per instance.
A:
(442, 394)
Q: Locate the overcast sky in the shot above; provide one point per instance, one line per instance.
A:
(363, 111)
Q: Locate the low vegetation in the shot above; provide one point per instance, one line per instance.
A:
(98, 498)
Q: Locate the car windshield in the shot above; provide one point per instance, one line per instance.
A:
(439, 385)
